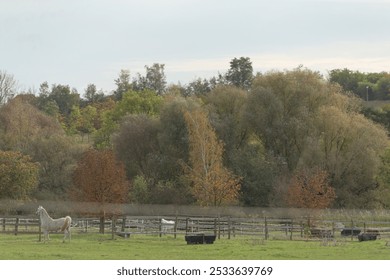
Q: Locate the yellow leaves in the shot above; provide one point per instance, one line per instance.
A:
(213, 184)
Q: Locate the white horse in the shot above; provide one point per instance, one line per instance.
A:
(49, 224)
(167, 225)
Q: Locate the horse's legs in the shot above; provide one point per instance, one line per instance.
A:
(46, 236)
(66, 234)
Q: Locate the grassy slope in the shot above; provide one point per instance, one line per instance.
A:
(152, 247)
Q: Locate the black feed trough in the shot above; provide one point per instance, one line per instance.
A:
(369, 235)
(200, 238)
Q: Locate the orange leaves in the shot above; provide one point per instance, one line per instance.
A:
(99, 177)
(310, 189)
(213, 184)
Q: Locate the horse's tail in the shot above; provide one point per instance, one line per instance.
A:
(67, 223)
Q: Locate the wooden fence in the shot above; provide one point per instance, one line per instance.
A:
(19, 225)
(223, 227)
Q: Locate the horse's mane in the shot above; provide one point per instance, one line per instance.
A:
(43, 210)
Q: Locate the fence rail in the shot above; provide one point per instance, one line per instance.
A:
(222, 227)
(19, 225)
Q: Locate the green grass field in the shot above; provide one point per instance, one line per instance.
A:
(141, 247)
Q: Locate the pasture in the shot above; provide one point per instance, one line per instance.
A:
(153, 247)
(242, 234)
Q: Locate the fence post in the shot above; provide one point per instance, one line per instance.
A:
(16, 226)
(302, 228)
(187, 225)
(265, 228)
(3, 224)
(175, 228)
(160, 227)
(291, 229)
(352, 229)
(123, 224)
(229, 221)
(219, 227)
(113, 226)
(333, 228)
(286, 228)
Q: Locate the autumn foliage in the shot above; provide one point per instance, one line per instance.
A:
(99, 177)
(310, 189)
(213, 184)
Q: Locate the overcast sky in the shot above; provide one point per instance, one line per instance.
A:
(78, 42)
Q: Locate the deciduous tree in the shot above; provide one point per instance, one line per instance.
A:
(26, 129)
(226, 105)
(123, 84)
(213, 184)
(18, 175)
(310, 189)
(21, 123)
(350, 148)
(7, 86)
(153, 80)
(57, 157)
(132, 102)
(65, 97)
(83, 120)
(101, 178)
(92, 94)
(136, 144)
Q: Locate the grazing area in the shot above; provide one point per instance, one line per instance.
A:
(141, 247)
(286, 234)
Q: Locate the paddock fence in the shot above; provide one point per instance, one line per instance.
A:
(17, 217)
(267, 228)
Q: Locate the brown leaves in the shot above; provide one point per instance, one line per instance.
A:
(99, 177)
(310, 189)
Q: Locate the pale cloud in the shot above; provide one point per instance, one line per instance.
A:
(80, 42)
(362, 56)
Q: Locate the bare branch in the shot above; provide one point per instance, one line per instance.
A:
(8, 86)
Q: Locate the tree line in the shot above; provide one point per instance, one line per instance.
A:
(281, 138)
(367, 86)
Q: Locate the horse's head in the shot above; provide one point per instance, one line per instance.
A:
(40, 210)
